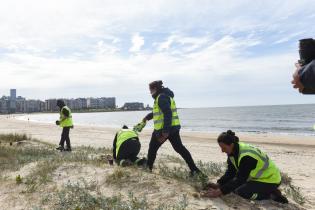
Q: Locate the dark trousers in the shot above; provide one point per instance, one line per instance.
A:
(256, 190)
(178, 146)
(65, 137)
(129, 150)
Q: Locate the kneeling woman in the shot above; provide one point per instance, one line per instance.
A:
(250, 173)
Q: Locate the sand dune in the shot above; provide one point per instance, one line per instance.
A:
(294, 155)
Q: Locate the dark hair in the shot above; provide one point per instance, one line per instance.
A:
(228, 138)
(125, 127)
(156, 84)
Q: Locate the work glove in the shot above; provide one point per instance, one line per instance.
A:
(139, 126)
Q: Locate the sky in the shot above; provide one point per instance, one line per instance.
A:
(210, 53)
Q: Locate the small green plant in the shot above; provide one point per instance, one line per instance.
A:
(295, 193)
(40, 175)
(119, 176)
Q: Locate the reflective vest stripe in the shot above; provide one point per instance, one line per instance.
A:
(158, 116)
(160, 113)
(265, 159)
(265, 171)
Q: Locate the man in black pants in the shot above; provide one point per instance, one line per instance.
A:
(126, 146)
(65, 121)
(166, 126)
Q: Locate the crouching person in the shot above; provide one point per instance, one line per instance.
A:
(126, 146)
(250, 173)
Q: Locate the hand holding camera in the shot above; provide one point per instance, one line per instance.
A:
(303, 76)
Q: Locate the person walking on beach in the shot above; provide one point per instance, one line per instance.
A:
(65, 121)
(126, 146)
(166, 126)
(250, 173)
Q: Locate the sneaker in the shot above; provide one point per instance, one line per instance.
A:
(277, 196)
(141, 162)
(125, 162)
(68, 149)
(61, 148)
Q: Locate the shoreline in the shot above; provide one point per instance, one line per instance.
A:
(247, 135)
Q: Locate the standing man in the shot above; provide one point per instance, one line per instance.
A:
(166, 125)
(65, 121)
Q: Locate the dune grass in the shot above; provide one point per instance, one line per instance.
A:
(13, 137)
(87, 195)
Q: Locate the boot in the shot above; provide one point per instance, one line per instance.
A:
(68, 149)
(61, 148)
(141, 162)
(277, 196)
(125, 162)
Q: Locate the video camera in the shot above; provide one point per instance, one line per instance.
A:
(306, 51)
(307, 54)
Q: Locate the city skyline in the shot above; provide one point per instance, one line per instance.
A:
(210, 53)
(19, 104)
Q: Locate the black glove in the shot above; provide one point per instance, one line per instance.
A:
(57, 122)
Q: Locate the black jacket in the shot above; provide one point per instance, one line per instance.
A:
(307, 77)
(232, 179)
(165, 106)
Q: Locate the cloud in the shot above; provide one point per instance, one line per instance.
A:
(137, 43)
(116, 47)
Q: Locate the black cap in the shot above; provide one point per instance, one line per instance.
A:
(60, 103)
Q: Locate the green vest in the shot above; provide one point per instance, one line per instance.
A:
(122, 136)
(158, 116)
(65, 121)
(265, 171)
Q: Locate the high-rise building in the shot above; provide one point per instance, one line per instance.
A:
(12, 100)
(13, 94)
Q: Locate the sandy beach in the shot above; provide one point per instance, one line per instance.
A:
(294, 155)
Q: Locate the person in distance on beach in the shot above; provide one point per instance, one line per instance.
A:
(126, 146)
(166, 126)
(250, 173)
(65, 121)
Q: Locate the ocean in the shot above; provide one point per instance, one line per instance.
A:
(278, 119)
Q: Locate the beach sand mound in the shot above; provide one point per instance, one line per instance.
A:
(35, 176)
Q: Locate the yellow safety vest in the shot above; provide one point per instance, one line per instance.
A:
(65, 121)
(265, 171)
(158, 116)
(122, 136)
